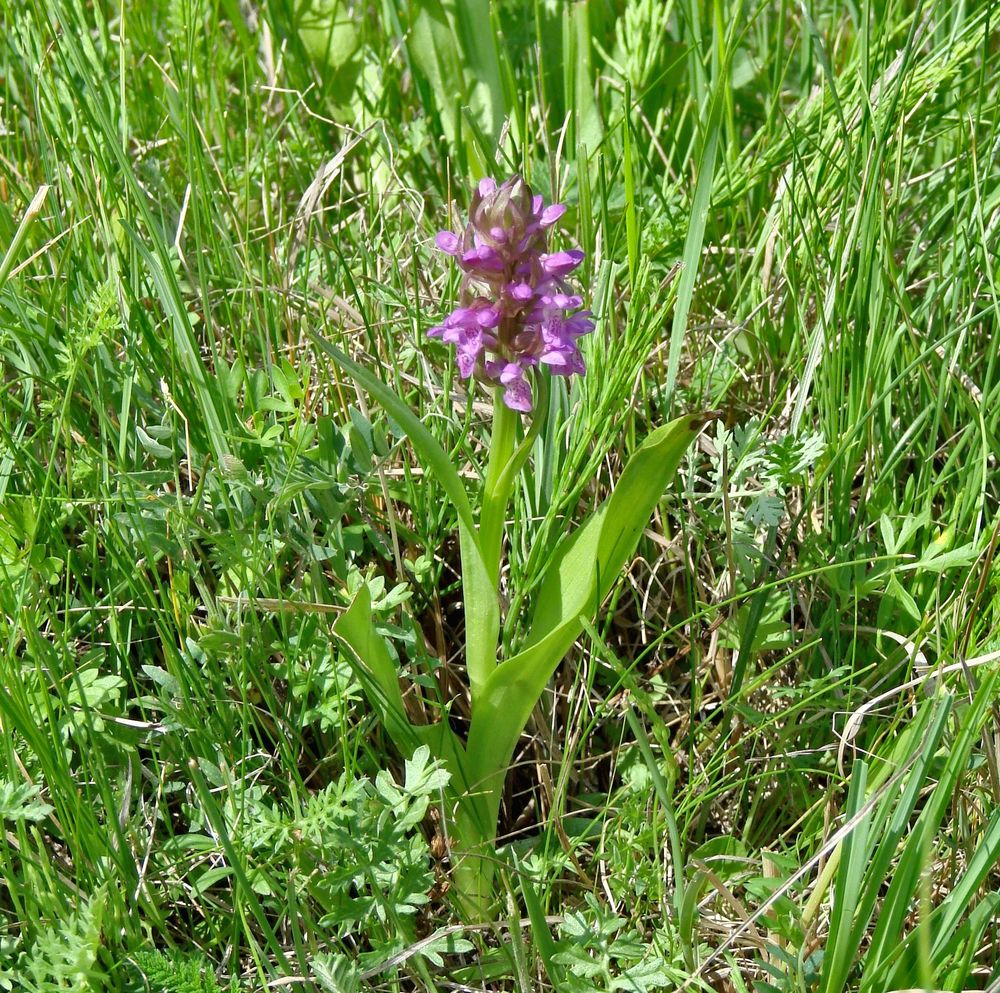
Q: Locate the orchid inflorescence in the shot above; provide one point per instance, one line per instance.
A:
(517, 311)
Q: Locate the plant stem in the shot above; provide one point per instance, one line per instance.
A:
(476, 820)
(496, 490)
(475, 862)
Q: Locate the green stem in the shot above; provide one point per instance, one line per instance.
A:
(475, 860)
(504, 465)
(520, 456)
(475, 823)
(495, 493)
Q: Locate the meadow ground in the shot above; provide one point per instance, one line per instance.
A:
(769, 764)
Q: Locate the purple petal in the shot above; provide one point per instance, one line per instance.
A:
(521, 291)
(554, 332)
(565, 363)
(561, 263)
(487, 317)
(564, 302)
(517, 396)
(576, 325)
(487, 186)
(468, 353)
(461, 317)
(493, 368)
(447, 241)
(466, 364)
(483, 258)
(510, 373)
(552, 213)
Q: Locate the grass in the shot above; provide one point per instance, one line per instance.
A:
(771, 765)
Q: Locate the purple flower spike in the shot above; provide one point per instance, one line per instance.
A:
(517, 312)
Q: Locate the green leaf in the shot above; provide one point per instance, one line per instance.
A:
(953, 957)
(589, 561)
(579, 75)
(335, 973)
(904, 881)
(380, 682)
(482, 607)
(481, 63)
(444, 944)
(20, 802)
(152, 445)
(935, 560)
(420, 775)
(766, 511)
(957, 903)
(27, 220)
(855, 853)
(546, 947)
(191, 367)
(330, 35)
(91, 689)
(867, 854)
(582, 572)
(646, 975)
(376, 669)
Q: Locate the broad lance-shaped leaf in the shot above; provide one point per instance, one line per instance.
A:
(380, 681)
(589, 561)
(583, 571)
(375, 669)
(458, 58)
(482, 608)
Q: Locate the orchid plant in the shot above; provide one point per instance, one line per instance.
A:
(518, 319)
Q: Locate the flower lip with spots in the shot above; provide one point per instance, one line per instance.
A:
(517, 312)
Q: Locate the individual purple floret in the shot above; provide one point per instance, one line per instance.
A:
(516, 312)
